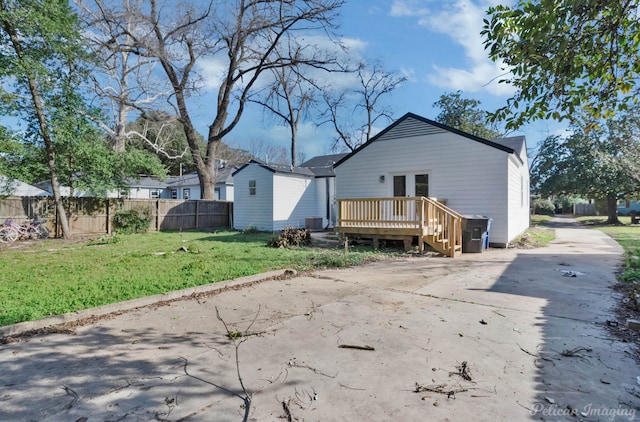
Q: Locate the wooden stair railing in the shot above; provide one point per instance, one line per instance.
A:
(431, 221)
(442, 227)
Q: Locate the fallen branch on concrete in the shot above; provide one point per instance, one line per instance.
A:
(351, 346)
(462, 371)
(440, 389)
(575, 352)
(287, 411)
(314, 370)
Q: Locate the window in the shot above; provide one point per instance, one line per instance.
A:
(422, 185)
(155, 194)
(174, 193)
(399, 190)
(124, 194)
(186, 194)
(252, 187)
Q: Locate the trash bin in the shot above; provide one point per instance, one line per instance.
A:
(486, 238)
(474, 233)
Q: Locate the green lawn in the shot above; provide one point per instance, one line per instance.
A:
(629, 238)
(53, 278)
(599, 220)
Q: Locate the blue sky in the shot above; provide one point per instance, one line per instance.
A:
(436, 44)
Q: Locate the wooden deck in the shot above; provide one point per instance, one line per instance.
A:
(402, 219)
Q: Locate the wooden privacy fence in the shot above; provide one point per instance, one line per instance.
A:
(94, 215)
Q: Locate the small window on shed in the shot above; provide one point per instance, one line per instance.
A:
(252, 187)
(186, 194)
(174, 193)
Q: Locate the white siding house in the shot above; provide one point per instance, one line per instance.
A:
(188, 185)
(273, 197)
(13, 187)
(419, 157)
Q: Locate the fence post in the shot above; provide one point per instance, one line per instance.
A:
(197, 211)
(158, 214)
(108, 223)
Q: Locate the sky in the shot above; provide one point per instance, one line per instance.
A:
(435, 44)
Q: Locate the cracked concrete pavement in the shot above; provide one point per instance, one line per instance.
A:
(499, 336)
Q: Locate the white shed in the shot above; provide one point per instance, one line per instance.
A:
(416, 156)
(272, 197)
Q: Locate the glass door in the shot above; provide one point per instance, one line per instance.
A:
(422, 185)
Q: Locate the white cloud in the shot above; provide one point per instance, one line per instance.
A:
(407, 8)
(460, 20)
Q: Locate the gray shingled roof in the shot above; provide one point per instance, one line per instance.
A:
(225, 174)
(322, 165)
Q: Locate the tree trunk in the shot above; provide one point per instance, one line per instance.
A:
(294, 150)
(44, 132)
(612, 209)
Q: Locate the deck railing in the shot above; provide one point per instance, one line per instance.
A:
(426, 218)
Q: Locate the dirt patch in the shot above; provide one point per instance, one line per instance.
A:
(627, 308)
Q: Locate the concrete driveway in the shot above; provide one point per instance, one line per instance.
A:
(504, 335)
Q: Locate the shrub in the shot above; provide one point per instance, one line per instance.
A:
(250, 230)
(135, 220)
(543, 206)
(291, 237)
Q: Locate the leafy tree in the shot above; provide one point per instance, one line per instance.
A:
(41, 57)
(463, 114)
(565, 55)
(602, 162)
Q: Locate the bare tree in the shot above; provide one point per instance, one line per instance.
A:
(126, 82)
(289, 98)
(354, 113)
(270, 154)
(242, 35)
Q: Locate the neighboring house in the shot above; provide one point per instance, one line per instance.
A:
(175, 187)
(416, 156)
(13, 187)
(145, 187)
(188, 185)
(626, 206)
(272, 197)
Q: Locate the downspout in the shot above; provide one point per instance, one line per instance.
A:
(328, 202)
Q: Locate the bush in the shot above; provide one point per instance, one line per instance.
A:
(291, 237)
(543, 206)
(135, 220)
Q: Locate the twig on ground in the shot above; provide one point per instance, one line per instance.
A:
(351, 388)
(237, 342)
(351, 346)
(287, 411)
(440, 389)
(575, 352)
(528, 352)
(72, 393)
(314, 370)
(463, 371)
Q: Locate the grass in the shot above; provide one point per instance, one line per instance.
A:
(629, 238)
(54, 278)
(536, 236)
(599, 220)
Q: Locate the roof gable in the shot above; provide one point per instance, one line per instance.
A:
(411, 125)
(277, 168)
